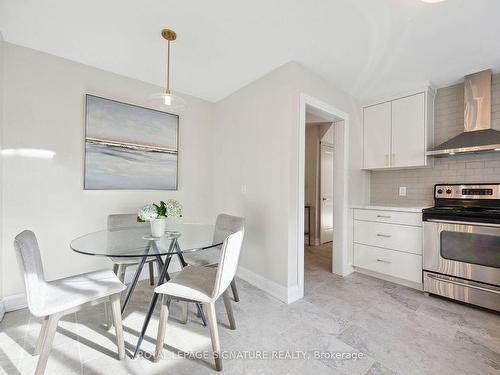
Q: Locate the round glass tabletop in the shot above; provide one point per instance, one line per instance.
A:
(138, 242)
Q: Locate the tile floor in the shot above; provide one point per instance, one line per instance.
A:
(397, 330)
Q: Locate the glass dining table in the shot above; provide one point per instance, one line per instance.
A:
(138, 243)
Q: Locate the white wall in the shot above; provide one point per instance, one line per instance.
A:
(43, 108)
(311, 178)
(329, 136)
(256, 175)
(251, 136)
(1, 162)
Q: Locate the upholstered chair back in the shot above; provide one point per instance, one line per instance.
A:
(30, 262)
(228, 262)
(123, 221)
(227, 224)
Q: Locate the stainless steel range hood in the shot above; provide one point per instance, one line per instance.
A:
(478, 135)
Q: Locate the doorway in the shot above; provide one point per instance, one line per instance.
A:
(338, 250)
(318, 193)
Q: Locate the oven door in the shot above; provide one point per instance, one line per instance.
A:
(466, 250)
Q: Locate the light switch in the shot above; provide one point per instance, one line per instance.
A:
(402, 191)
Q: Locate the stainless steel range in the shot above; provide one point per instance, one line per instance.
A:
(461, 256)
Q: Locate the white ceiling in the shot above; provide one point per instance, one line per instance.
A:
(365, 47)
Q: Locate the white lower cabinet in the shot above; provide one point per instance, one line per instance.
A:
(389, 236)
(393, 263)
(388, 243)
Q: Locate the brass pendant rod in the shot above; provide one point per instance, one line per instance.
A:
(169, 35)
(168, 67)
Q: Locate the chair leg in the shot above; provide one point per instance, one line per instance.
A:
(160, 340)
(50, 331)
(121, 272)
(185, 312)
(229, 309)
(108, 316)
(117, 321)
(41, 337)
(151, 274)
(235, 291)
(214, 334)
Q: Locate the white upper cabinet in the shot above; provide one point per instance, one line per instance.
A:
(377, 136)
(398, 133)
(408, 131)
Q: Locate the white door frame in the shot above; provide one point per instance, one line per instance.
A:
(340, 264)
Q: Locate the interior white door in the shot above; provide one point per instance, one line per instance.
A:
(326, 193)
(408, 131)
(377, 136)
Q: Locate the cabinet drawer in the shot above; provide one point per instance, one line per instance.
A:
(394, 263)
(395, 217)
(391, 236)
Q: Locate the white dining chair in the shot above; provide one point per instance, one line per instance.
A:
(54, 299)
(210, 257)
(204, 285)
(120, 264)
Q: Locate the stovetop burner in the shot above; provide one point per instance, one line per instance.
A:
(465, 202)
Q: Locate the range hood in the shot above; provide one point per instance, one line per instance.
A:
(478, 135)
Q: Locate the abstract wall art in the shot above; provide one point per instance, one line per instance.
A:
(129, 147)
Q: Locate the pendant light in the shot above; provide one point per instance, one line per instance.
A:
(167, 101)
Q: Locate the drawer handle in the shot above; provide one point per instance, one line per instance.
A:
(383, 235)
(384, 261)
(384, 216)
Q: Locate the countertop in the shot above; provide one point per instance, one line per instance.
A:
(417, 209)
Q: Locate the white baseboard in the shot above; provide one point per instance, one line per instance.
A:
(294, 294)
(18, 301)
(14, 302)
(392, 279)
(314, 242)
(284, 294)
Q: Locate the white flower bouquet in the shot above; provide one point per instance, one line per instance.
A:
(150, 212)
(157, 214)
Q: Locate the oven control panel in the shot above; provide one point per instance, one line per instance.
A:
(465, 191)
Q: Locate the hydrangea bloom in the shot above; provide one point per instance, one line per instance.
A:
(173, 208)
(148, 213)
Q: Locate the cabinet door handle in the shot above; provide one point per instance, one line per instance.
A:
(383, 235)
(384, 216)
(384, 261)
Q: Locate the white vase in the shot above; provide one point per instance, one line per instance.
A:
(158, 227)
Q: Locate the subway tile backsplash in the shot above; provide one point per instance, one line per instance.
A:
(448, 122)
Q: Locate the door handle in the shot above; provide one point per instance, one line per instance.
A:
(384, 216)
(384, 261)
(325, 199)
(384, 235)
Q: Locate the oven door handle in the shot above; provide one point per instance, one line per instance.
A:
(463, 223)
(446, 280)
